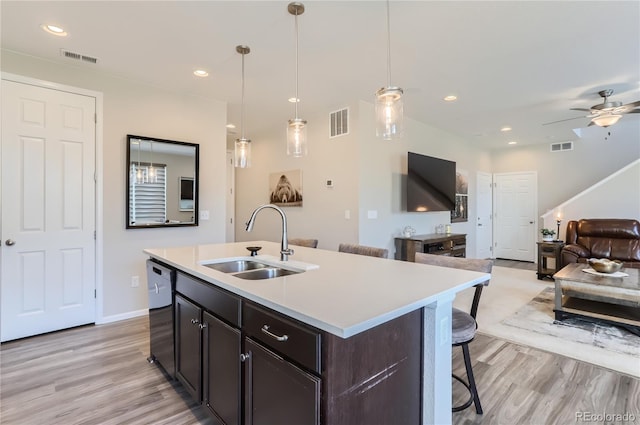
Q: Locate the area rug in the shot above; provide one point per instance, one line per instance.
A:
(538, 316)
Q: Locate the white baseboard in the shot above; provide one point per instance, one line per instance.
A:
(123, 316)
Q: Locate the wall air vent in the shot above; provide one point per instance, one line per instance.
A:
(78, 56)
(339, 123)
(562, 146)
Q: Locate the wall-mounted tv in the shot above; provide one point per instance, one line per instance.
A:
(431, 183)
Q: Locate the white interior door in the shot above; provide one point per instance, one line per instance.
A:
(48, 210)
(515, 212)
(484, 226)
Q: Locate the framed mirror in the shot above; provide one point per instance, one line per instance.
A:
(162, 183)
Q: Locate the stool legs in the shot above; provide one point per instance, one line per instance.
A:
(471, 386)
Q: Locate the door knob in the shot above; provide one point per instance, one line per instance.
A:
(9, 242)
(479, 224)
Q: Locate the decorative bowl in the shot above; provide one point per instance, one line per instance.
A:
(605, 265)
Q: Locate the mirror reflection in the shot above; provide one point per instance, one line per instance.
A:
(162, 183)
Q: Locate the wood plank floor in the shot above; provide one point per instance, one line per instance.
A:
(100, 375)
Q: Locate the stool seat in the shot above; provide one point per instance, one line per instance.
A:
(463, 324)
(463, 327)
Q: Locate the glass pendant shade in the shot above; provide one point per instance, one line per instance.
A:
(242, 154)
(389, 113)
(297, 137)
(606, 120)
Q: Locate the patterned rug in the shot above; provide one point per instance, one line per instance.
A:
(538, 316)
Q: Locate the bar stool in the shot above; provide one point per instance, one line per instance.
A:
(309, 243)
(463, 325)
(363, 250)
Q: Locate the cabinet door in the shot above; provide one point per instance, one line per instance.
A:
(188, 346)
(277, 392)
(221, 367)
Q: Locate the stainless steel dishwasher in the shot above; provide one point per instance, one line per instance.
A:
(161, 285)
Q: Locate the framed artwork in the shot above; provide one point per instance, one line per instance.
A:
(461, 210)
(285, 188)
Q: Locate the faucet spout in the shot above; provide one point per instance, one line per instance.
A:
(284, 243)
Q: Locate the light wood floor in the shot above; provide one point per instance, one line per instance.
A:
(99, 375)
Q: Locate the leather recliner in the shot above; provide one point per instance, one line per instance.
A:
(612, 238)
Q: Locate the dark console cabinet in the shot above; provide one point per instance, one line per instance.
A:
(451, 244)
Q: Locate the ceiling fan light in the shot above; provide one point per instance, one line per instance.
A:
(606, 120)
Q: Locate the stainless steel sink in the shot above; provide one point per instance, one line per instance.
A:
(251, 270)
(236, 266)
(265, 273)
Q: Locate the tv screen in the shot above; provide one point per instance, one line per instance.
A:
(431, 183)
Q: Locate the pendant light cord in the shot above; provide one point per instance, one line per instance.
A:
(388, 47)
(297, 98)
(242, 102)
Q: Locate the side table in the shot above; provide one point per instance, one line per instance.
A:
(548, 250)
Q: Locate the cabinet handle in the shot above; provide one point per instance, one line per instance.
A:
(244, 357)
(202, 326)
(265, 329)
(194, 321)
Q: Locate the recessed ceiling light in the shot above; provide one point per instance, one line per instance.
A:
(230, 125)
(200, 73)
(513, 143)
(55, 30)
(293, 100)
(450, 98)
(505, 128)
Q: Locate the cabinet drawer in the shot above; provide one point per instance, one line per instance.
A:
(283, 335)
(216, 300)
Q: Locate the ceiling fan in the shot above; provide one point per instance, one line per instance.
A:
(606, 113)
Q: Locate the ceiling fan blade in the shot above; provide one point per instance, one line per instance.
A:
(580, 109)
(633, 104)
(634, 111)
(568, 119)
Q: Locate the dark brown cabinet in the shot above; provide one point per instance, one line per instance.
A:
(208, 349)
(188, 346)
(278, 392)
(248, 364)
(221, 370)
(451, 244)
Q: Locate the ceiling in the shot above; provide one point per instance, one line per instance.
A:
(511, 63)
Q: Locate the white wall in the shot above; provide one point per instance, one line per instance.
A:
(322, 215)
(383, 169)
(617, 196)
(133, 108)
(368, 174)
(562, 175)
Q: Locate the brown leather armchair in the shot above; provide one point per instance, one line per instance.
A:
(612, 238)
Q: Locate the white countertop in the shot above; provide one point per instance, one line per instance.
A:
(343, 294)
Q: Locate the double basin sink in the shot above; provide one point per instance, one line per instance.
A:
(251, 269)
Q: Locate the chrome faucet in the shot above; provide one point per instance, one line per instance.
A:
(285, 252)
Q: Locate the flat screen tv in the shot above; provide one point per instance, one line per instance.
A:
(431, 183)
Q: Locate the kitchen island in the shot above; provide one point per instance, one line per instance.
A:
(348, 297)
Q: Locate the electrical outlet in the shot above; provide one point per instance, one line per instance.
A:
(135, 281)
(204, 214)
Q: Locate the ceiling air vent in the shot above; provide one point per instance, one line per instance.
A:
(339, 123)
(562, 146)
(78, 56)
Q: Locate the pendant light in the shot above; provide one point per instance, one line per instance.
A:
(297, 128)
(152, 172)
(389, 108)
(140, 172)
(242, 154)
